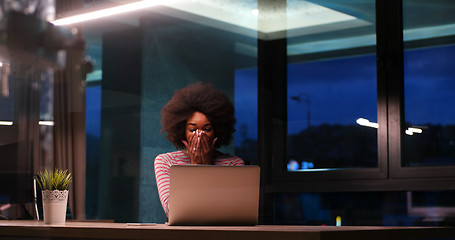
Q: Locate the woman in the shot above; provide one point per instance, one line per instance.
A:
(198, 120)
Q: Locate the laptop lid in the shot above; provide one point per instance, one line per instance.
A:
(214, 195)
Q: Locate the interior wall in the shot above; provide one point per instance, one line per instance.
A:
(175, 54)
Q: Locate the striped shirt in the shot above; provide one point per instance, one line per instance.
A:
(163, 163)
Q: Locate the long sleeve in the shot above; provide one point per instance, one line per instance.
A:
(162, 174)
(163, 163)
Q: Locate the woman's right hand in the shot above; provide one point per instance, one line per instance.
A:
(199, 148)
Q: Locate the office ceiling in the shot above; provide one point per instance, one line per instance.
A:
(266, 19)
(309, 25)
(272, 19)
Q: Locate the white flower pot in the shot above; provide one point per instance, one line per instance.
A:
(54, 206)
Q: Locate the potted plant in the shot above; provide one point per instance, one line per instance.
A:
(54, 187)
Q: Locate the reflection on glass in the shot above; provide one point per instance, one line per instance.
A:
(332, 111)
(245, 104)
(141, 58)
(430, 208)
(6, 95)
(429, 83)
(26, 126)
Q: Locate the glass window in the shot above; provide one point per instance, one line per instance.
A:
(245, 103)
(429, 137)
(332, 99)
(6, 95)
(140, 60)
(398, 208)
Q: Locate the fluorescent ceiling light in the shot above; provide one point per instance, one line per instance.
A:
(46, 123)
(366, 123)
(42, 123)
(129, 7)
(411, 130)
(415, 130)
(6, 123)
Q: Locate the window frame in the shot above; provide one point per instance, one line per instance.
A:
(389, 175)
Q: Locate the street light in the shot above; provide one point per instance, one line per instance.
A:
(304, 97)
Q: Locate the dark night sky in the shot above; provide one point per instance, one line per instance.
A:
(342, 90)
(430, 86)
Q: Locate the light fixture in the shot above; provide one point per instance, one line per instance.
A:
(124, 8)
(46, 123)
(415, 130)
(6, 123)
(42, 123)
(366, 123)
(411, 130)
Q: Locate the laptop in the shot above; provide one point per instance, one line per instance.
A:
(213, 195)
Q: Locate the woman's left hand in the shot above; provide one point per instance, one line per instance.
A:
(207, 148)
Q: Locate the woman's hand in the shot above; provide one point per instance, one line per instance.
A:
(207, 148)
(200, 148)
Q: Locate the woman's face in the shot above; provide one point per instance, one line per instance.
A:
(198, 121)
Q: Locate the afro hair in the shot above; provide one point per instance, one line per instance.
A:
(203, 98)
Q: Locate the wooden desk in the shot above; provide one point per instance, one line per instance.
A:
(97, 230)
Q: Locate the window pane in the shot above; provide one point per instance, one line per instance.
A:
(429, 83)
(332, 110)
(246, 113)
(141, 59)
(430, 208)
